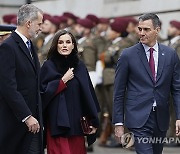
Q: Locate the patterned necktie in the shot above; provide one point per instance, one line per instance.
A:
(151, 63)
(29, 48)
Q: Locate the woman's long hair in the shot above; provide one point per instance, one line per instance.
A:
(62, 62)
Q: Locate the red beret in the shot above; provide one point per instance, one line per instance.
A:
(85, 23)
(7, 18)
(132, 20)
(54, 20)
(70, 15)
(46, 16)
(104, 20)
(124, 20)
(93, 18)
(119, 25)
(62, 19)
(175, 23)
(14, 21)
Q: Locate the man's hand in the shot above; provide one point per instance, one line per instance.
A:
(33, 124)
(119, 131)
(177, 127)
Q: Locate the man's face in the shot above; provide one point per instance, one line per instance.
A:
(172, 31)
(147, 32)
(79, 29)
(46, 27)
(35, 26)
(131, 27)
(111, 34)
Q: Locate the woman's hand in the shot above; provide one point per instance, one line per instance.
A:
(93, 130)
(68, 75)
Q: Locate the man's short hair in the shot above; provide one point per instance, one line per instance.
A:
(151, 16)
(27, 12)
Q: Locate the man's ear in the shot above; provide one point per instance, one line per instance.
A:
(28, 23)
(158, 29)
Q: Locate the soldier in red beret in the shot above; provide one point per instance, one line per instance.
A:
(174, 35)
(62, 22)
(71, 18)
(38, 41)
(93, 18)
(174, 42)
(109, 57)
(71, 22)
(102, 26)
(87, 50)
(49, 28)
(132, 30)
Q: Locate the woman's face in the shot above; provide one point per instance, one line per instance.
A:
(65, 45)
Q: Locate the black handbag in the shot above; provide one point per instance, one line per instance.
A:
(85, 124)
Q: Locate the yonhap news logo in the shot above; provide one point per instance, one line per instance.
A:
(158, 140)
(128, 139)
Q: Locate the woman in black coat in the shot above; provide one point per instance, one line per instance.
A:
(67, 96)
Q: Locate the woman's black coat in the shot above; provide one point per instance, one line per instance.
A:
(59, 116)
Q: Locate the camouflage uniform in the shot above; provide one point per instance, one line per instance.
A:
(43, 51)
(88, 53)
(132, 38)
(38, 41)
(111, 56)
(171, 131)
(176, 45)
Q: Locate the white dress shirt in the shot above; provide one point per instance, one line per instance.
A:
(22, 37)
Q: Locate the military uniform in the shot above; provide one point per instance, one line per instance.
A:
(99, 43)
(132, 38)
(38, 41)
(88, 53)
(43, 51)
(173, 43)
(111, 56)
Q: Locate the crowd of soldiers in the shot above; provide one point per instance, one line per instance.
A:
(100, 43)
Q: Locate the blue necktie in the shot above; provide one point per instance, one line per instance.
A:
(29, 48)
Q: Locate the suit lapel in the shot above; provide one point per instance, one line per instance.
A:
(24, 48)
(36, 60)
(142, 55)
(161, 60)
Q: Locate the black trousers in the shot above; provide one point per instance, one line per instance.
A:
(35, 147)
(148, 138)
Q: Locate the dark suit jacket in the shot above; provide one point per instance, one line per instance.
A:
(134, 77)
(19, 95)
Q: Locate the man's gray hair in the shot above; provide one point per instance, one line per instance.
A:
(27, 12)
(151, 16)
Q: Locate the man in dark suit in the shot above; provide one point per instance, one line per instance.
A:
(20, 105)
(146, 72)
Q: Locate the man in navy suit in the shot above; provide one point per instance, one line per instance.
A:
(146, 73)
(20, 105)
